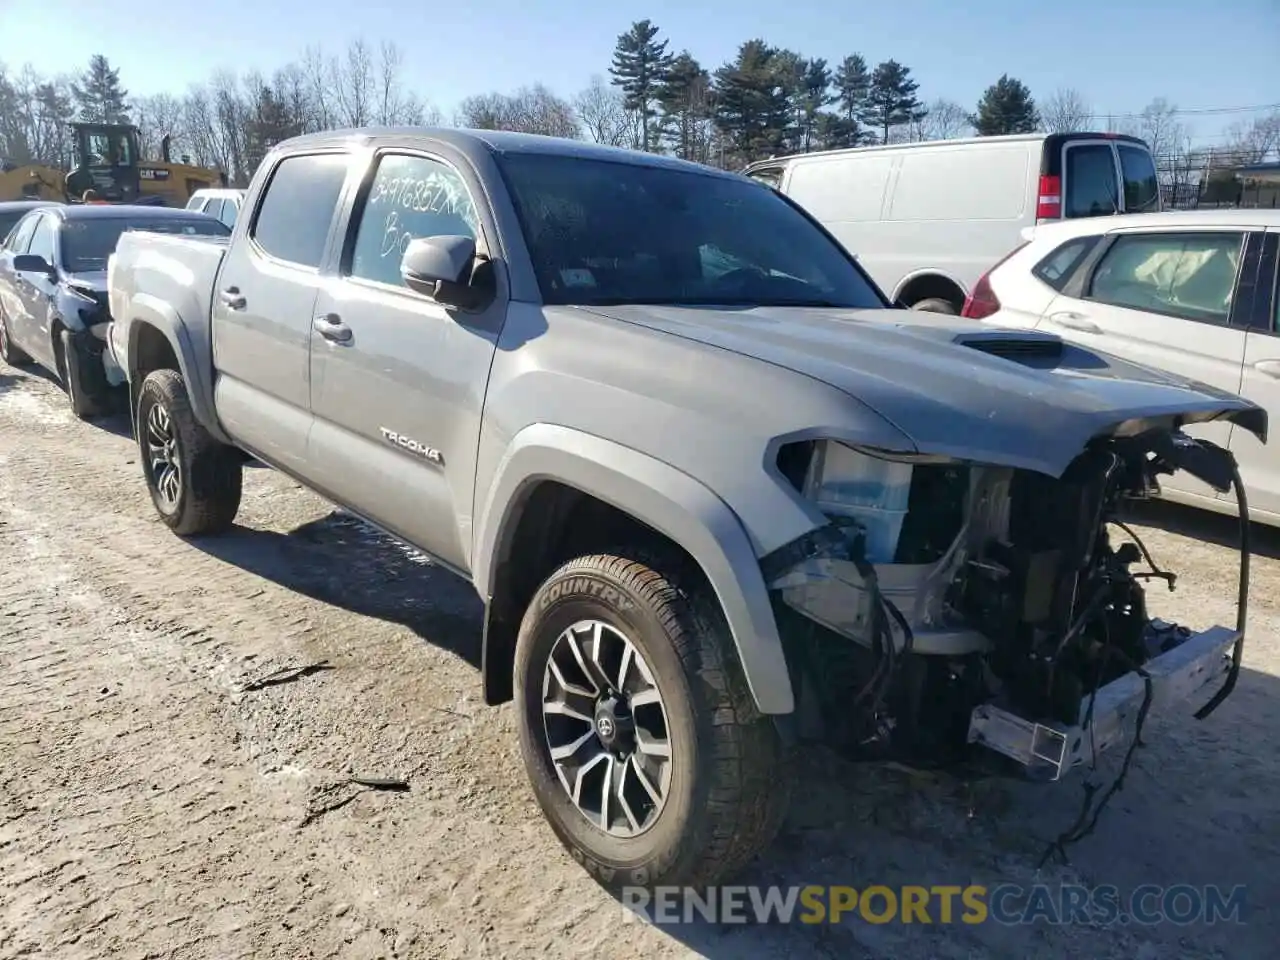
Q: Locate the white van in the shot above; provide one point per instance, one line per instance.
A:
(221, 202)
(926, 220)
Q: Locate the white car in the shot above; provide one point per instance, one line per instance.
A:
(1194, 293)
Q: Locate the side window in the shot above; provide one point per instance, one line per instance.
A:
(295, 214)
(1185, 275)
(196, 202)
(1091, 189)
(42, 240)
(410, 197)
(1056, 269)
(1141, 186)
(214, 209)
(230, 210)
(21, 236)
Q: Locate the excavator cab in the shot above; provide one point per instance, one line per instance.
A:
(106, 161)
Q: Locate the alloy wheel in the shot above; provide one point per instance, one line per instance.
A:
(606, 728)
(162, 456)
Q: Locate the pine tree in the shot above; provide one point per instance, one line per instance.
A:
(752, 108)
(1006, 107)
(815, 93)
(853, 83)
(99, 95)
(685, 98)
(640, 62)
(891, 99)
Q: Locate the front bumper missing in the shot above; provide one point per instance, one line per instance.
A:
(1047, 751)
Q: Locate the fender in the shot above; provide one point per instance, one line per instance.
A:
(145, 308)
(666, 499)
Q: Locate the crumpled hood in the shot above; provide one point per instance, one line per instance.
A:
(953, 386)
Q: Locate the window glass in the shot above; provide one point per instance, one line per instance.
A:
(1056, 269)
(410, 198)
(42, 240)
(8, 219)
(196, 202)
(87, 243)
(294, 217)
(230, 210)
(1141, 187)
(770, 175)
(609, 232)
(214, 209)
(1191, 276)
(1091, 182)
(21, 235)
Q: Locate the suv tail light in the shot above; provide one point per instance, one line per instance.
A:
(1049, 202)
(982, 301)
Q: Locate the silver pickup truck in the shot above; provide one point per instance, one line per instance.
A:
(717, 496)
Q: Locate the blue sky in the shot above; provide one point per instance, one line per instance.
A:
(1118, 53)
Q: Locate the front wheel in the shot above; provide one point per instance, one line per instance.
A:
(84, 399)
(642, 742)
(194, 480)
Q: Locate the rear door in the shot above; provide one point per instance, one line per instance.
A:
(12, 301)
(263, 306)
(1090, 179)
(1164, 299)
(1260, 289)
(36, 292)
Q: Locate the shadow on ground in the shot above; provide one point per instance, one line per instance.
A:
(367, 573)
(1204, 525)
(1194, 810)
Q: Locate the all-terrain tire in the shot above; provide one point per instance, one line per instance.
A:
(936, 305)
(210, 473)
(9, 351)
(86, 401)
(729, 783)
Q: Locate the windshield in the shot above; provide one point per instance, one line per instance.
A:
(602, 232)
(86, 244)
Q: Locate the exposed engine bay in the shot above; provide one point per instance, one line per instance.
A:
(996, 614)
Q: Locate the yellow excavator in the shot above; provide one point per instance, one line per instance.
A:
(106, 160)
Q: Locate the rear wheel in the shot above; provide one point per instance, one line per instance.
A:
(639, 735)
(194, 480)
(9, 351)
(935, 305)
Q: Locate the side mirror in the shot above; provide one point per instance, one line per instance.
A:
(33, 263)
(440, 267)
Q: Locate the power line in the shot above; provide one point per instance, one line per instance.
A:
(1189, 112)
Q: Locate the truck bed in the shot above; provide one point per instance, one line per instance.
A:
(166, 279)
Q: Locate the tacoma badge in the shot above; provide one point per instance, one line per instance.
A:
(413, 446)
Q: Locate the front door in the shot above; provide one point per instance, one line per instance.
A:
(37, 291)
(263, 308)
(398, 381)
(1164, 299)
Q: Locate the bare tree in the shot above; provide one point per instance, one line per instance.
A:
(1254, 141)
(944, 120)
(529, 110)
(352, 79)
(158, 116)
(601, 109)
(1159, 126)
(1065, 111)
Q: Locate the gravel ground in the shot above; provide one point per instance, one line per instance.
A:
(151, 807)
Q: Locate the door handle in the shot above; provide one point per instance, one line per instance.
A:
(1270, 367)
(232, 299)
(1075, 321)
(331, 327)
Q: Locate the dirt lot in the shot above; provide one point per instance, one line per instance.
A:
(150, 808)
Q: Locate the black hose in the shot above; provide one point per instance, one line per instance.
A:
(1242, 597)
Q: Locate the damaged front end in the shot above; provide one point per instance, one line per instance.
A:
(962, 613)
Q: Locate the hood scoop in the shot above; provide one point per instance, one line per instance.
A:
(1021, 346)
